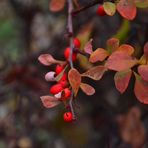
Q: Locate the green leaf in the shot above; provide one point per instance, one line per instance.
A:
(141, 3)
(109, 8)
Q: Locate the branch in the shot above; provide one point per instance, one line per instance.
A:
(91, 4)
(70, 31)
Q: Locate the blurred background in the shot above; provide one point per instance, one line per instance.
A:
(105, 120)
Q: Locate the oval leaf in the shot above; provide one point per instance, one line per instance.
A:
(88, 47)
(141, 89)
(127, 9)
(141, 3)
(99, 54)
(87, 89)
(56, 5)
(74, 78)
(126, 48)
(143, 71)
(122, 79)
(146, 49)
(112, 45)
(47, 60)
(109, 8)
(49, 101)
(120, 61)
(95, 73)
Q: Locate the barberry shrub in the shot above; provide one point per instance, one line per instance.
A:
(115, 57)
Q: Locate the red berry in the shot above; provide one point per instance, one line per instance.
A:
(67, 117)
(67, 54)
(100, 11)
(59, 69)
(67, 93)
(77, 42)
(56, 89)
(63, 83)
(64, 77)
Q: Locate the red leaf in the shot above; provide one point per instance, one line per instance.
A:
(56, 5)
(47, 60)
(120, 61)
(127, 9)
(126, 48)
(112, 44)
(88, 47)
(141, 89)
(122, 79)
(95, 73)
(49, 101)
(87, 89)
(74, 78)
(98, 55)
(146, 49)
(143, 71)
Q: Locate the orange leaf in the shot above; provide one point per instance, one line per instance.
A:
(56, 5)
(127, 9)
(98, 55)
(47, 60)
(143, 71)
(146, 49)
(122, 79)
(112, 44)
(49, 101)
(120, 61)
(87, 89)
(95, 73)
(74, 78)
(141, 89)
(127, 48)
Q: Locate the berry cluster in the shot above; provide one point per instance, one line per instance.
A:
(62, 90)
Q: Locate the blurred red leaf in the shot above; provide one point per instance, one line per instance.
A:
(126, 48)
(47, 60)
(49, 101)
(56, 5)
(98, 55)
(122, 79)
(87, 89)
(88, 47)
(131, 128)
(74, 78)
(141, 89)
(95, 73)
(127, 9)
(143, 71)
(146, 49)
(120, 61)
(112, 44)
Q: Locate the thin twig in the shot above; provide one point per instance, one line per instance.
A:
(91, 4)
(70, 31)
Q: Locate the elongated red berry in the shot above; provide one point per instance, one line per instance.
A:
(67, 93)
(67, 117)
(67, 54)
(77, 42)
(100, 11)
(56, 89)
(64, 77)
(64, 83)
(59, 69)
